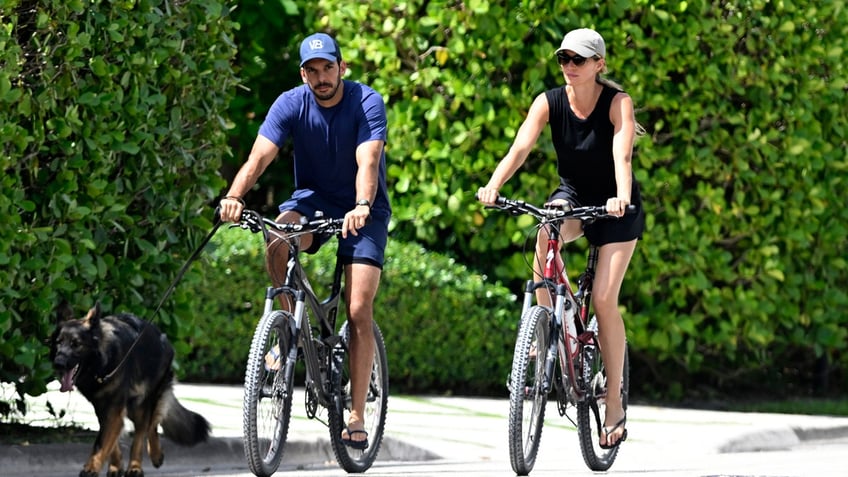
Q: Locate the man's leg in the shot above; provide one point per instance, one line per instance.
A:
(276, 260)
(277, 253)
(361, 283)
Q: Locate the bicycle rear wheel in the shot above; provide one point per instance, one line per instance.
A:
(527, 398)
(591, 410)
(376, 403)
(268, 393)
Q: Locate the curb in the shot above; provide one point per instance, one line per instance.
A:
(217, 452)
(814, 434)
(781, 439)
(777, 439)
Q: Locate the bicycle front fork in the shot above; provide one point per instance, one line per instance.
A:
(563, 307)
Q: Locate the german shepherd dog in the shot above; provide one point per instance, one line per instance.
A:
(122, 365)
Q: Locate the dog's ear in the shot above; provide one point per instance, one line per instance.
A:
(64, 312)
(93, 316)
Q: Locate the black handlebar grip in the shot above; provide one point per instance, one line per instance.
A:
(501, 200)
(630, 209)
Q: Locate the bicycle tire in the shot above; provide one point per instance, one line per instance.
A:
(268, 394)
(590, 411)
(376, 404)
(527, 399)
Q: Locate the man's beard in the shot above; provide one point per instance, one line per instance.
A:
(325, 96)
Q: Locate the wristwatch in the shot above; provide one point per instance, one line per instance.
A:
(364, 202)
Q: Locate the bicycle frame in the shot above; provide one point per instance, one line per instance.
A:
(297, 286)
(324, 351)
(556, 346)
(570, 313)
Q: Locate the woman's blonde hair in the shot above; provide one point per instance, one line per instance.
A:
(640, 130)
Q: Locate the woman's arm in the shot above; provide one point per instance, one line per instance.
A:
(524, 142)
(623, 119)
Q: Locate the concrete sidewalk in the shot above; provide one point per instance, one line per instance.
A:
(420, 428)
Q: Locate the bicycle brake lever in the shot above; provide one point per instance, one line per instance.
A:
(250, 222)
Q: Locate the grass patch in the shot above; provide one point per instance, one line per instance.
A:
(26, 434)
(813, 407)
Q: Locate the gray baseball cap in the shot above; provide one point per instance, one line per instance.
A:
(585, 42)
(319, 45)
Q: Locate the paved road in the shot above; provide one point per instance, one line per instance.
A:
(429, 435)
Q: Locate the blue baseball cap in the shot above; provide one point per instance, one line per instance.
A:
(319, 45)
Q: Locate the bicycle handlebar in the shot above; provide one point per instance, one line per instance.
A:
(519, 207)
(253, 221)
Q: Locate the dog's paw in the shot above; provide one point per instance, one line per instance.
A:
(157, 460)
(115, 473)
(135, 472)
(88, 473)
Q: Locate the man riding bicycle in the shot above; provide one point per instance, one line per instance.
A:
(338, 130)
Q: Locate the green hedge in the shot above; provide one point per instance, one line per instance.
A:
(112, 127)
(741, 276)
(445, 327)
(112, 115)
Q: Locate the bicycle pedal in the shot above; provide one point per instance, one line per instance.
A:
(331, 341)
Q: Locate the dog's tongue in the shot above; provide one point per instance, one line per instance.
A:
(67, 381)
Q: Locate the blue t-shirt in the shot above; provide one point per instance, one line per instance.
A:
(325, 140)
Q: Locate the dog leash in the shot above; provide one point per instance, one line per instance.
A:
(171, 288)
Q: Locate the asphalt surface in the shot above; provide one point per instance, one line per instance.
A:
(419, 428)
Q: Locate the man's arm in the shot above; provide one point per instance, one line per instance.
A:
(368, 156)
(264, 151)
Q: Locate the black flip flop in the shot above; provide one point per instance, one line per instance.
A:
(358, 445)
(609, 430)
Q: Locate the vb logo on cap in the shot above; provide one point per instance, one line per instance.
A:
(319, 45)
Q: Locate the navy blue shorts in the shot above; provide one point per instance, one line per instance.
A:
(612, 230)
(368, 247)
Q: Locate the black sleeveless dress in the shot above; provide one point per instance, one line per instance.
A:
(585, 165)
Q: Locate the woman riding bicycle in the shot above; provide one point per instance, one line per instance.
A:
(593, 128)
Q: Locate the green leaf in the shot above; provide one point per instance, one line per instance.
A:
(98, 66)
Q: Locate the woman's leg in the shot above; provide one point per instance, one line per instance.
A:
(571, 230)
(613, 259)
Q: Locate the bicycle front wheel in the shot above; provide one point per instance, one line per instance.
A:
(268, 392)
(592, 409)
(376, 403)
(527, 397)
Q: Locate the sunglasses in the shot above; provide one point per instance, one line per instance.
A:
(563, 59)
